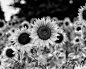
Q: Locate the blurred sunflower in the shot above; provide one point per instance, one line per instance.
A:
(61, 38)
(78, 27)
(67, 24)
(78, 40)
(82, 14)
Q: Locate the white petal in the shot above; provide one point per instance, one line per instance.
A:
(47, 43)
(41, 41)
(53, 38)
(50, 41)
(36, 41)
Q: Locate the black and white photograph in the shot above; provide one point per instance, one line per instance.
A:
(42, 34)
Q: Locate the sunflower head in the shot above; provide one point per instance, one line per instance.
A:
(78, 40)
(61, 38)
(78, 28)
(9, 52)
(44, 31)
(20, 37)
(25, 24)
(67, 22)
(82, 14)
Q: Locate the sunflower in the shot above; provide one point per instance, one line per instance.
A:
(82, 14)
(25, 24)
(78, 40)
(44, 31)
(20, 37)
(78, 28)
(7, 53)
(61, 38)
(67, 22)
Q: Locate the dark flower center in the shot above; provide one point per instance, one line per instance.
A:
(9, 53)
(24, 38)
(78, 28)
(66, 23)
(44, 32)
(77, 40)
(60, 38)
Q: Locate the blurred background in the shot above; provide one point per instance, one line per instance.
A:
(53, 8)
